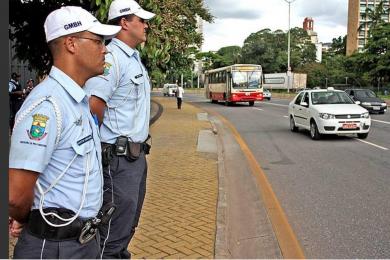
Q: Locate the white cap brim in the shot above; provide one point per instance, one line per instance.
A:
(141, 13)
(105, 30)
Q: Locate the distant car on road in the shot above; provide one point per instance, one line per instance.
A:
(169, 89)
(267, 94)
(328, 111)
(368, 99)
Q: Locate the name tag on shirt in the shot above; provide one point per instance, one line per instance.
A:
(84, 140)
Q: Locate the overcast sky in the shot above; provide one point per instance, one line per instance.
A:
(235, 20)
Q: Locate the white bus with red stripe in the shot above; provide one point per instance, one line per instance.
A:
(235, 83)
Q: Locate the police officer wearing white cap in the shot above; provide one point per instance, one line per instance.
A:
(121, 100)
(55, 174)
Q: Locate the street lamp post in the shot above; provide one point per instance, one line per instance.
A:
(288, 47)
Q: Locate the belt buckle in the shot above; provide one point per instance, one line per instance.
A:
(87, 233)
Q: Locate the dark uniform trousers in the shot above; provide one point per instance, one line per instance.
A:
(30, 247)
(125, 185)
(179, 101)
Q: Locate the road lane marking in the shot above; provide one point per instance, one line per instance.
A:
(274, 104)
(258, 109)
(285, 116)
(380, 121)
(288, 242)
(378, 146)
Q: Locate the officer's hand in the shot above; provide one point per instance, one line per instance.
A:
(15, 228)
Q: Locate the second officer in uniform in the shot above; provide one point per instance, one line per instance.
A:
(121, 99)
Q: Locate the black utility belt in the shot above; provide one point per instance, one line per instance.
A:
(123, 147)
(80, 230)
(38, 227)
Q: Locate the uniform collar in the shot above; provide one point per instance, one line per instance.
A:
(124, 47)
(73, 89)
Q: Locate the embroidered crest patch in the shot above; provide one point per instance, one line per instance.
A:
(107, 67)
(38, 126)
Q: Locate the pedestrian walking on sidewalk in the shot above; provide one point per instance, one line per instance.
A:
(121, 100)
(179, 96)
(55, 173)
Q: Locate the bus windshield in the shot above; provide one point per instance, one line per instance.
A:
(246, 79)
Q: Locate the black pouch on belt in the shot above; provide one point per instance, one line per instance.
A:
(133, 152)
(107, 154)
(38, 227)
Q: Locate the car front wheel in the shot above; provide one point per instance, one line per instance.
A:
(314, 134)
(293, 127)
(362, 135)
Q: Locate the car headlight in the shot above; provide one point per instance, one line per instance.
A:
(366, 104)
(326, 116)
(365, 115)
(383, 104)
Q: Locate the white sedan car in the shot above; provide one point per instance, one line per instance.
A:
(267, 94)
(328, 111)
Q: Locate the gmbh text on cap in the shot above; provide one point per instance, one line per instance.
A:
(120, 8)
(73, 19)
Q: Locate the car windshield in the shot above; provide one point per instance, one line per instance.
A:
(364, 93)
(246, 79)
(330, 97)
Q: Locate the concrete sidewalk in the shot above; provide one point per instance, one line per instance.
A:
(179, 215)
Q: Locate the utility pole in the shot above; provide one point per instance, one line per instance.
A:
(288, 47)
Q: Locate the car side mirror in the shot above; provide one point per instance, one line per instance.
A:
(357, 102)
(304, 104)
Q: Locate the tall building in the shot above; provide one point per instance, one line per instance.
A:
(308, 26)
(357, 38)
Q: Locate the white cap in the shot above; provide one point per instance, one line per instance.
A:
(73, 19)
(120, 8)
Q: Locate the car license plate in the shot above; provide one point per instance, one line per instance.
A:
(247, 94)
(349, 126)
(376, 108)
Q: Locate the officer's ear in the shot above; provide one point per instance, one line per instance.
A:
(70, 43)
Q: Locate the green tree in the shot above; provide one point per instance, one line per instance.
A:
(172, 33)
(339, 45)
(229, 55)
(316, 74)
(26, 30)
(270, 49)
(375, 16)
(376, 58)
(209, 59)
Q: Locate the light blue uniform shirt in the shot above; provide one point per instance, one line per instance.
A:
(33, 145)
(125, 87)
(11, 86)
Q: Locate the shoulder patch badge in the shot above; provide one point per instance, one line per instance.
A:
(107, 67)
(37, 130)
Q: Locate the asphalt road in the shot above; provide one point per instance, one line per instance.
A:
(335, 191)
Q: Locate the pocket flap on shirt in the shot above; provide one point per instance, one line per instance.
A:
(136, 80)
